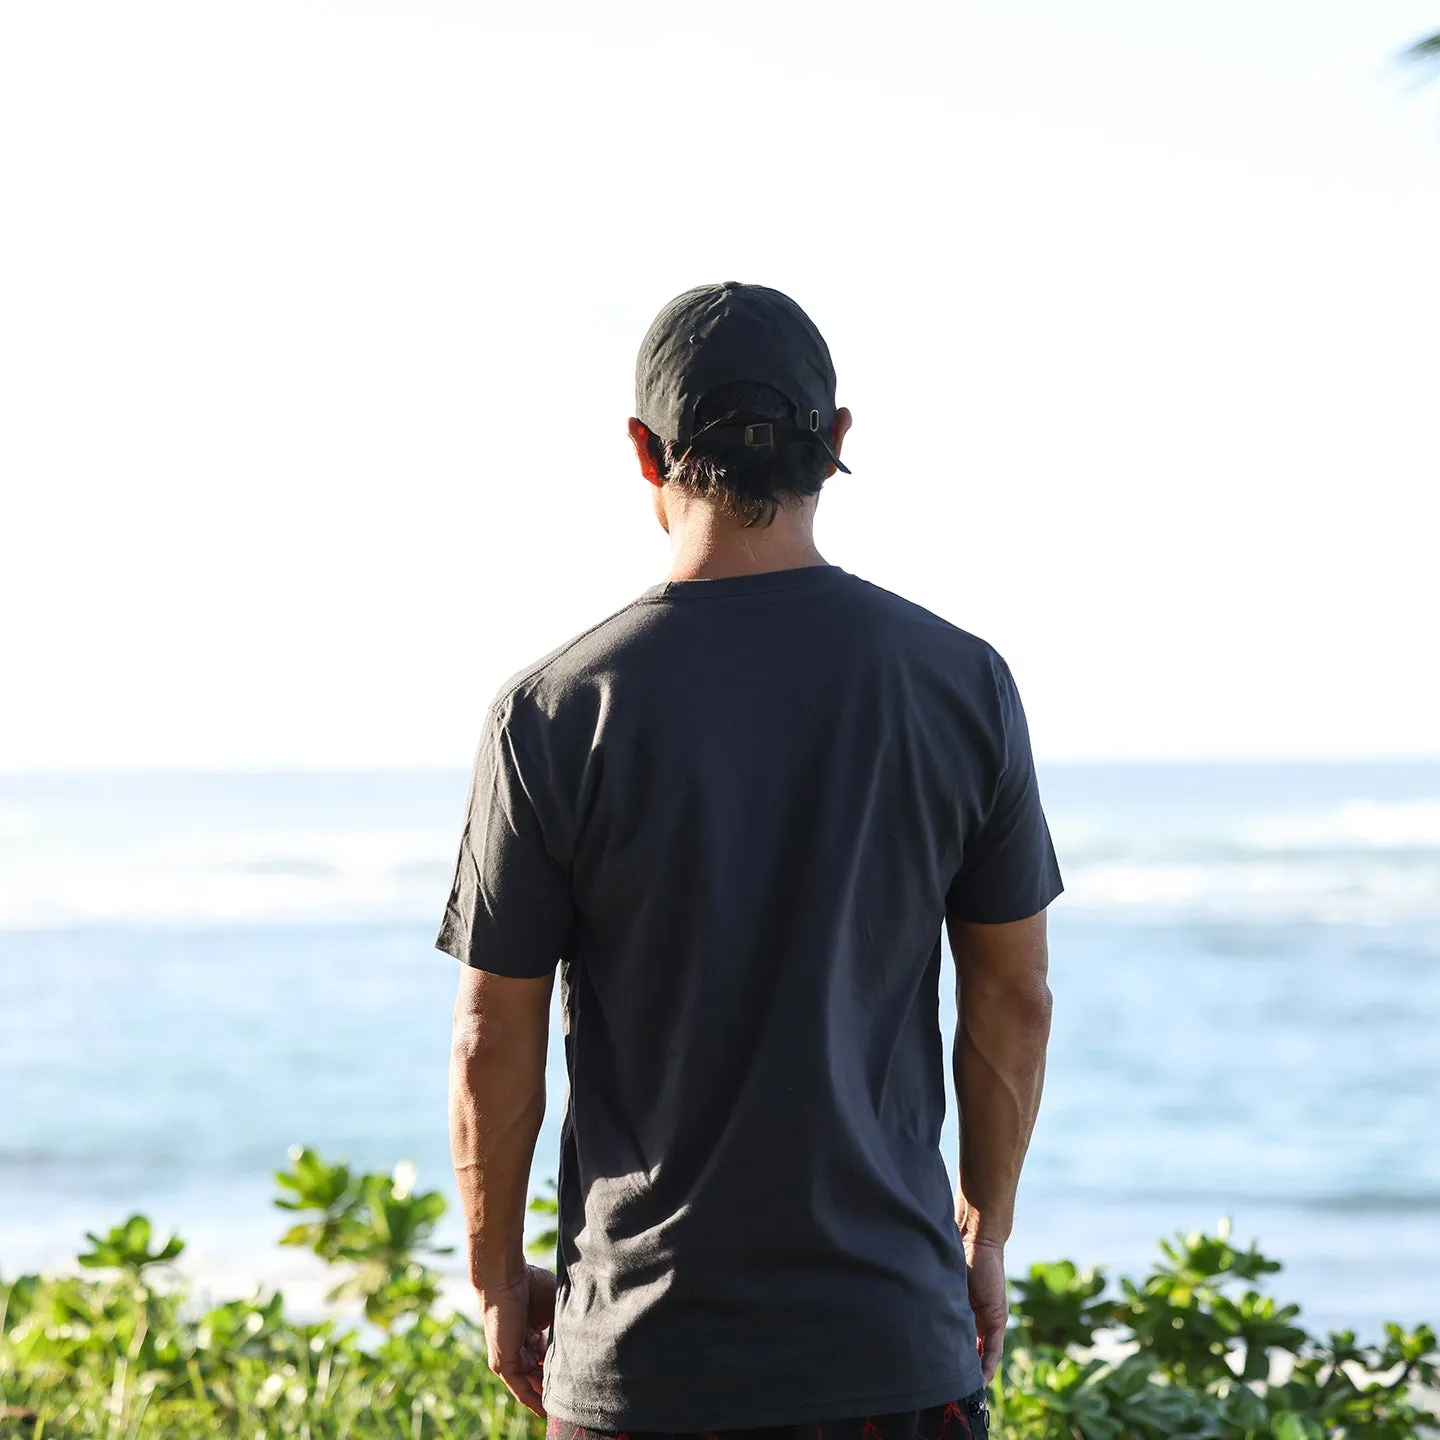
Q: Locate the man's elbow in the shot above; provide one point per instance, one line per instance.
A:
(1003, 971)
(1037, 1004)
(487, 1040)
(1016, 1002)
(466, 1036)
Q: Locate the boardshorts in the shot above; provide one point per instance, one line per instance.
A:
(965, 1419)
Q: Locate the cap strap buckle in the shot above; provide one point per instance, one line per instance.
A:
(760, 437)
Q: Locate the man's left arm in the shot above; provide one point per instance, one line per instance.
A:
(497, 1100)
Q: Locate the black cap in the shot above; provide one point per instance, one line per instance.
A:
(732, 334)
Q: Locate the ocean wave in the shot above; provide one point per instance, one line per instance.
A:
(1350, 861)
(1403, 825)
(287, 877)
(1358, 829)
(384, 880)
(1319, 890)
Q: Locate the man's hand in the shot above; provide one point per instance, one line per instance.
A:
(517, 1316)
(985, 1268)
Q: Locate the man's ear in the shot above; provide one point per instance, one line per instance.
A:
(839, 429)
(640, 439)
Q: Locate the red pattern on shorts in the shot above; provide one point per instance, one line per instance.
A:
(940, 1422)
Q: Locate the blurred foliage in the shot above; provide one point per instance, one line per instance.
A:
(1195, 1349)
(1192, 1349)
(545, 1207)
(375, 1223)
(1427, 49)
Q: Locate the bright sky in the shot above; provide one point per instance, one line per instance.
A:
(317, 327)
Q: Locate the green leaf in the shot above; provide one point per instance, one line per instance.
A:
(127, 1247)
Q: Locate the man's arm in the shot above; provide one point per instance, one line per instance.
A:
(1004, 1011)
(497, 1100)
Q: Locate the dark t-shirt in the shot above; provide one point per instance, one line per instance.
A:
(737, 813)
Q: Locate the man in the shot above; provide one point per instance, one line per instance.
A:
(737, 814)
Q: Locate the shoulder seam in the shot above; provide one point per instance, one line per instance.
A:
(505, 695)
(949, 624)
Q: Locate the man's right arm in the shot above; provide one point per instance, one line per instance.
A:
(1003, 998)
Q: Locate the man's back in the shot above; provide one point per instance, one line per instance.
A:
(740, 810)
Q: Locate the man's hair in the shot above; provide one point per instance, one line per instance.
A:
(749, 482)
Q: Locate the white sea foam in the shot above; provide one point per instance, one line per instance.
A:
(1281, 891)
(1355, 824)
(315, 877)
(272, 852)
(293, 876)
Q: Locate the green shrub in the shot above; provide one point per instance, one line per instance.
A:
(1194, 1349)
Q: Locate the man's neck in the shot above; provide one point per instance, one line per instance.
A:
(705, 545)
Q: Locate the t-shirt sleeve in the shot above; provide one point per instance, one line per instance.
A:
(510, 905)
(1008, 869)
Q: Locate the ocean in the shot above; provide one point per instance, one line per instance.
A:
(198, 971)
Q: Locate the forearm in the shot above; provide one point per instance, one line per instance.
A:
(497, 1101)
(999, 1074)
